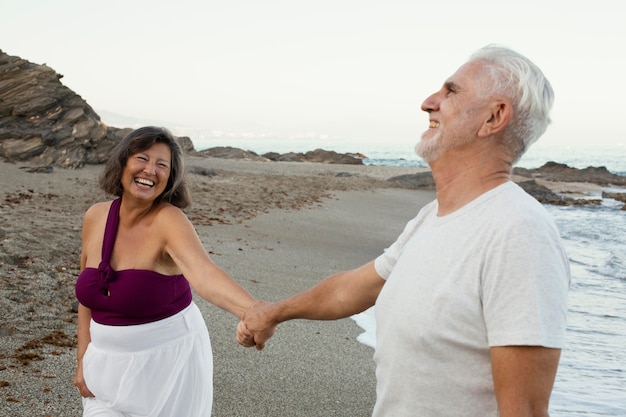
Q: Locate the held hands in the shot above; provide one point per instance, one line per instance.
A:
(256, 327)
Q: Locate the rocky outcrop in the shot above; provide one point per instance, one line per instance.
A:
(331, 157)
(546, 196)
(318, 156)
(527, 179)
(43, 121)
(419, 181)
(285, 157)
(621, 197)
(553, 171)
(47, 124)
(228, 152)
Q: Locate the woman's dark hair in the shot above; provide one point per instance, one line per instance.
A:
(176, 192)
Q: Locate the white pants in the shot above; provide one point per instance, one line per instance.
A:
(158, 369)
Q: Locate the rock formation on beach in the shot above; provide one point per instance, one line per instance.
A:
(534, 181)
(554, 171)
(47, 124)
(318, 155)
(42, 120)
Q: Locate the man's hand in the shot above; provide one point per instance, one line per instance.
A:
(257, 326)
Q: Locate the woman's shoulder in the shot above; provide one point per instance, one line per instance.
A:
(167, 209)
(97, 213)
(95, 217)
(98, 209)
(166, 212)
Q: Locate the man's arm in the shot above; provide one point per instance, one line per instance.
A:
(338, 296)
(523, 377)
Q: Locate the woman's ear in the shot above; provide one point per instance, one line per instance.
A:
(501, 112)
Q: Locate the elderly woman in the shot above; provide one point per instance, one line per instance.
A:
(143, 346)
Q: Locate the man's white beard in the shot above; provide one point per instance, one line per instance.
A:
(429, 149)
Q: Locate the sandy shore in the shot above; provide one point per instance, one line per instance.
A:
(277, 228)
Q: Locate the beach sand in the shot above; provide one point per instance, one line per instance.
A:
(277, 228)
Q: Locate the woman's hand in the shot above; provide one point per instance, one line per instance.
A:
(79, 382)
(244, 337)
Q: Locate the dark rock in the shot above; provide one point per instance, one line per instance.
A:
(331, 157)
(317, 156)
(45, 169)
(421, 180)
(523, 172)
(543, 194)
(39, 115)
(621, 197)
(205, 172)
(186, 144)
(553, 171)
(45, 123)
(229, 152)
(286, 157)
(546, 196)
(615, 196)
(272, 156)
(556, 172)
(425, 181)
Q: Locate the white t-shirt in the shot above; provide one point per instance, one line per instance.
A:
(493, 273)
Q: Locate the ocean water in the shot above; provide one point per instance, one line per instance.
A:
(591, 379)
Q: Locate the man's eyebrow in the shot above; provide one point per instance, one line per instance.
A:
(451, 85)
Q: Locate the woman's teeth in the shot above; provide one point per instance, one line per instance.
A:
(144, 182)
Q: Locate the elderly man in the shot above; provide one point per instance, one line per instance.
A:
(471, 299)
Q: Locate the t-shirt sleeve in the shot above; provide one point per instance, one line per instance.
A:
(525, 285)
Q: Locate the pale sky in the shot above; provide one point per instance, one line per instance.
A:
(355, 70)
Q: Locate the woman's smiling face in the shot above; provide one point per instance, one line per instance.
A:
(146, 173)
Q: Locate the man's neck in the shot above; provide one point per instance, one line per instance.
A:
(461, 177)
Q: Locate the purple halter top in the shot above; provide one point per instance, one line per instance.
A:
(131, 296)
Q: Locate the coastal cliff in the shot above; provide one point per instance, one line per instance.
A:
(44, 122)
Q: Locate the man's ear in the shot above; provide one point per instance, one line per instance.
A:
(501, 112)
